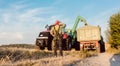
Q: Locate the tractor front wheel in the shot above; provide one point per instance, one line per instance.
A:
(41, 47)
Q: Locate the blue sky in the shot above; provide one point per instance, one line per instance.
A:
(22, 20)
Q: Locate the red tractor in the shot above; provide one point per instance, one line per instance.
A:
(45, 39)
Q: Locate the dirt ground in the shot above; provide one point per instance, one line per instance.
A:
(103, 59)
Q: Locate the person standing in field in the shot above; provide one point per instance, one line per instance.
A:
(57, 32)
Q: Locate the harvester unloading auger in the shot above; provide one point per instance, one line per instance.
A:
(86, 37)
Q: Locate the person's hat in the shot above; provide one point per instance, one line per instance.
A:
(57, 22)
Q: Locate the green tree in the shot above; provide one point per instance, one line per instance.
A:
(113, 34)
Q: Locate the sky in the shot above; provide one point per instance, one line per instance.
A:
(22, 20)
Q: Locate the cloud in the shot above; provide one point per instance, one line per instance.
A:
(22, 20)
(19, 24)
(102, 19)
(6, 18)
(11, 35)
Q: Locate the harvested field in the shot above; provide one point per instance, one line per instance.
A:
(34, 57)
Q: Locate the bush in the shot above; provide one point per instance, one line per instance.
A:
(113, 33)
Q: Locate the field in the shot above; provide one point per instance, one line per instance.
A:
(29, 55)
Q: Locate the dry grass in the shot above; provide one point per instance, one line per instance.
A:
(28, 46)
(113, 51)
(14, 56)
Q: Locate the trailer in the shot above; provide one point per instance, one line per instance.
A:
(89, 37)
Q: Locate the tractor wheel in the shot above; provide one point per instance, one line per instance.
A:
(41, 47)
